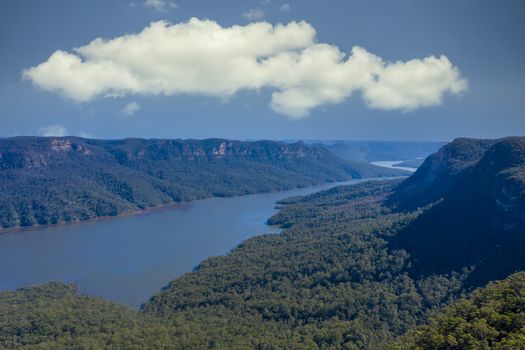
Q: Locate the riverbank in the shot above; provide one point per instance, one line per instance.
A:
(149, 210)
(129, 259)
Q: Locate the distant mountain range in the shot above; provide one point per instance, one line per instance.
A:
(371, 151)
(53, 180)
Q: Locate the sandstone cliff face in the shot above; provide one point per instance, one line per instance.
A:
(58, 179)
(41, 152)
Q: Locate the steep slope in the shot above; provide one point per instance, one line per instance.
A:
(477, 214)
(439, 173)
(491, 318)
(53, 180)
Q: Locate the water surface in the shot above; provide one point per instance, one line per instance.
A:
(390, 164)
(128, 259)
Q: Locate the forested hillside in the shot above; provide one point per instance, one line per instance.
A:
(327, 282)
(440, 173)
(56, 316)
(491, 318)
(476, 193)
(346, 273)
(54, 180)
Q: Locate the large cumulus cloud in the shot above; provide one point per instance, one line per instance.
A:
(202, 57)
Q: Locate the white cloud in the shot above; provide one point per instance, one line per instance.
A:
(285, 7)
(160, 5)
(131, 108)
(253, 14)
(264, 2)
(202, 57)
(53, 130)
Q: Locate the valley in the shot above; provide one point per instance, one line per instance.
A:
(127, 259)
(262, 175)
(350, 270)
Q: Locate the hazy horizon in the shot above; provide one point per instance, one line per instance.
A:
(271, 69)
(241, 139)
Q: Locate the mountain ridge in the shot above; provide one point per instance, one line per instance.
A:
(333, 278)
(475, 216)
(60, 179)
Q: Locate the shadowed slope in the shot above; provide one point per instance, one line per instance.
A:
(477, 217)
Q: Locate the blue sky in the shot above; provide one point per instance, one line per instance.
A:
(424, 70)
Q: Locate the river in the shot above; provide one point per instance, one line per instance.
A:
(128, 259)
(390, 164)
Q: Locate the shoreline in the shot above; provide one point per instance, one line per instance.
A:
(141, 212)
(170, 206)
(147, 211)
(128, 301)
